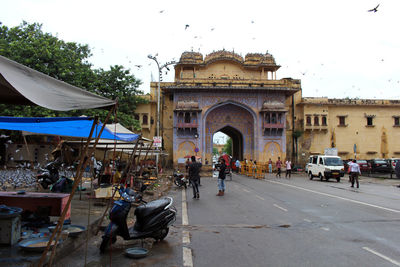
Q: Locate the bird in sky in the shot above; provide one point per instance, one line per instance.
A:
(138, 66)
(186, 26)
(161, 11)
(375, 9)
(212, 29)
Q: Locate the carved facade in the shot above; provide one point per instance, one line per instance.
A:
(264, 116)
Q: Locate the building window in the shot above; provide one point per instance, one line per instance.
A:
(396, 121)
(145, 120)
(187, 117)
(370, 121)
(316, 120)
(342, 121)
(308, 120)
(323, 120)
(137, 117)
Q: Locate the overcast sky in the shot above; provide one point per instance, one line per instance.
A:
(337, 48)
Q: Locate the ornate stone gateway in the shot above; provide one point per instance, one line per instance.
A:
(239, 97)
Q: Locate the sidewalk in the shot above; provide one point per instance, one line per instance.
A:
(14, 256)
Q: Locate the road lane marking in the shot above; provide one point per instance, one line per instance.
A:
(307, 220)
(325, 228)
(185, 237)
(279, 207)
(260, 197)
(185, 220)
(382, 256)
(245, 190)
(330, 195)
(187, 257)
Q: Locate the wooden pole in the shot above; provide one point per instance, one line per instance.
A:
(126, 174)
(83, 160)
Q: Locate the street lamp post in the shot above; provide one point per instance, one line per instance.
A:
(160, 68)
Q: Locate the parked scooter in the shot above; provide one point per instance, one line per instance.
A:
(152, 219)
(180, 179)
(48, 175)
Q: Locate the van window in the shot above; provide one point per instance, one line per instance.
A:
(333, 161)
(315, 160)
(321, 161)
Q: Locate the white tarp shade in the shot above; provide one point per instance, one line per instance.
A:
(22, 85)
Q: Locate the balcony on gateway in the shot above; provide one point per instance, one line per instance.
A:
(186, 115)
(273, 118)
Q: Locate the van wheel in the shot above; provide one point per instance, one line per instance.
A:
(310, 175)
(320, 177)
(338, 179)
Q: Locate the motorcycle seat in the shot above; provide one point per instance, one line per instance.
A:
(151, 207)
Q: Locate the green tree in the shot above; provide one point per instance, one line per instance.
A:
(228, 147)
(215, 151)
(68, 61)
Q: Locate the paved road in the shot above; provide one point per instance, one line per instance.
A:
(277, 222)
(297, 222)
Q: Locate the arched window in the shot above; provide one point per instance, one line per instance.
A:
(316, 120)
(187, 117)
(324, 121)
(308, 120)
(145, 119)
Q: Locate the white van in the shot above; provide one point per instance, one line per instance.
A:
(323, 166)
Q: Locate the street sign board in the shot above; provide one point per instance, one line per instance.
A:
(157, 141)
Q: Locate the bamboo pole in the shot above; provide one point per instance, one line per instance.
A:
(126, 173)
(82, 161)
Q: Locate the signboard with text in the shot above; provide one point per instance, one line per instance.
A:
(157, 141)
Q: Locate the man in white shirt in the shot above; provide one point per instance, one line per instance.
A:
(354, 172)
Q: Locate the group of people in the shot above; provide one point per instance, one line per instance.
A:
(194, 176)
(278, 164)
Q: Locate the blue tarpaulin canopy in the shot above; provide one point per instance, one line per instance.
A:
(66, 126)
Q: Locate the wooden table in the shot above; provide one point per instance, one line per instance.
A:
(31, 201)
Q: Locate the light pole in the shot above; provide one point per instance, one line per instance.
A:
(160, 68)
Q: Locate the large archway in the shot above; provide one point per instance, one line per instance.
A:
(237, 141)
(236, 121)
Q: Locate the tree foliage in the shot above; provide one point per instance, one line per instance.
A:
(228, 147)
(68, 61)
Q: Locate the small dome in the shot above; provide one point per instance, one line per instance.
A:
(259, 59)
(191, 57)
(223, 55)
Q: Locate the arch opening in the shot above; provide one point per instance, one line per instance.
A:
(236, 149)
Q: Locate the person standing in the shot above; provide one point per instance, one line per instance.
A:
(237, 164)
(354, 172)
(278, 167)
(270, 165)
(194, 176)
(288, 168)
(397, 170)
(221, 178)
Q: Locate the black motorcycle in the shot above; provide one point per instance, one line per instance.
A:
(152, 219)
(49, 174)
(180, 179)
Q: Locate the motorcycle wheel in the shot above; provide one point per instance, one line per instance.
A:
(176, 182)
(44, 185)
(162, 234)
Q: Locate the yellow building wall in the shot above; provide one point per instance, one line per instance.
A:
(369, 140)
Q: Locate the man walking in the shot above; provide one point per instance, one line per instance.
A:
(278, 167)
(288, 168)
(270, 165)
(237, 165)
(194, 176)
(354, 172)
(221, 178)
